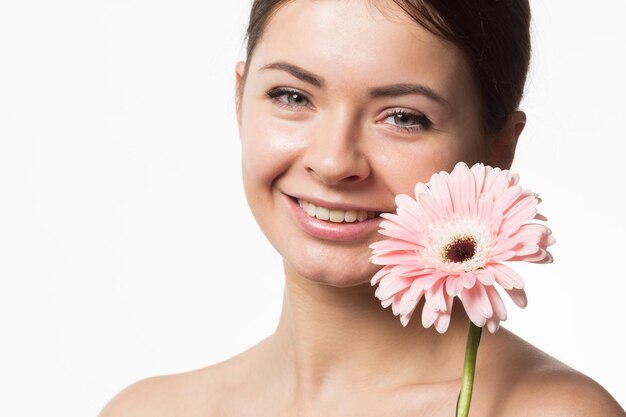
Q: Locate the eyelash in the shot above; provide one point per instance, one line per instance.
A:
(423, 122)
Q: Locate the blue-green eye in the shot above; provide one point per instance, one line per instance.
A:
(288, 98)
(408, 121)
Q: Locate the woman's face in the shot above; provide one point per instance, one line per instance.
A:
(344, 107)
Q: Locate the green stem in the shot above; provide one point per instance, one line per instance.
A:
(465, 396)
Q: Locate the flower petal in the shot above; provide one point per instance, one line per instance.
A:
(391, 286)
(503, 202)
(442, 322)
(435, 296)
(520, 213)
(505, 276)
(468, 279)
(402, 235)
(410, 299)
(380, 274)
(499, 309)
(485, 276)
(518, 296)
(428, 316)
(392, 245)
(453, 285)
(482, 300)
(441, 192)
(493, 324)
(479, 171)
(395, 257)
(472, 307)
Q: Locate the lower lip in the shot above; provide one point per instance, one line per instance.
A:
(323, 229)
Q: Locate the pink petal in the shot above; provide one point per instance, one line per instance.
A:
(442, 322)
(482, 300)
(493, 324)
(519, 214)
(518, 296)
(457, 191)
(413, 270)
(392, 245)
(499, 309)
(402, 221)
(410, 299)
(393, 258)
(501, 257)
(380, 274)
(386, 303)
(468, 187)
(541, 257)
(486, 207)
(391, 286)
(472, 307)
(468, 279)
(405, 202)
(453, 285)
(442, 194)
(505, 276)
(430, 208)
(479, 172)
(485, 276)
(504, 201)
(435, 296)
(499, 183)
(428, 316)
(421, 188)
(395, 305)
(404, 318)
(403, 235)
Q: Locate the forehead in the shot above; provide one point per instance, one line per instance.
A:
(357, 43)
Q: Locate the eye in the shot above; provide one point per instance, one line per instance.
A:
(288, 98)
(407, 121)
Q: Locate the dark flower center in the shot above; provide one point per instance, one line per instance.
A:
(460, 249)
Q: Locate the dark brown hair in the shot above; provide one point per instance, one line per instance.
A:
(493, 35)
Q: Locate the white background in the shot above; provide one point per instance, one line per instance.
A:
(127, 248)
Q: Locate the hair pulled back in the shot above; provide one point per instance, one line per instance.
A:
(493, 34)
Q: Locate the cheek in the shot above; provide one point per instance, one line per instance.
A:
(404, 166)
(269, 149)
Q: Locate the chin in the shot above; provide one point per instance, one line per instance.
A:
(331, 267)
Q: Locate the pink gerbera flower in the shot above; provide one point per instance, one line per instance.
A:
(451, 241)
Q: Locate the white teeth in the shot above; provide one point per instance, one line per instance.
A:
(351, 216)
(310, 209)
(322, 213)
(336, 216)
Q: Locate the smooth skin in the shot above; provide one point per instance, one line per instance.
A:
(336, 351)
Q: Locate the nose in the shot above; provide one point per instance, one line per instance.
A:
(334, 154)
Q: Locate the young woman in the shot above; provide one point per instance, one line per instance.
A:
(342, 105)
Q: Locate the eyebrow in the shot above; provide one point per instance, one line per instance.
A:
(393, 90)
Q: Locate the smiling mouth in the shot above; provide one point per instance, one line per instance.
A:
(334, 215)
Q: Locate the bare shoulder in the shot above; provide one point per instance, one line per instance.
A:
(186, 394)
(560, 392)
(547, 387)
(199, 393)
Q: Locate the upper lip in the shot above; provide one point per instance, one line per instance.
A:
(337, 205)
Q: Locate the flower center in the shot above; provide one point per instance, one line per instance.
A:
(459, 249)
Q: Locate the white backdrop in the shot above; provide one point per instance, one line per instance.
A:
(125, 235)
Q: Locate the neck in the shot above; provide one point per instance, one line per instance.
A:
(331, 336)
